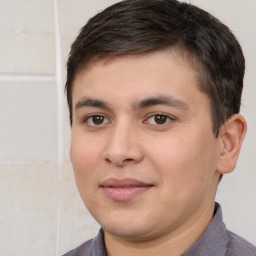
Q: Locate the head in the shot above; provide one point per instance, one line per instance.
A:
(154, 90)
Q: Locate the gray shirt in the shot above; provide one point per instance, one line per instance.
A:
(215, 241)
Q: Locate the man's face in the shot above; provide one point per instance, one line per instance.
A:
(143, 150)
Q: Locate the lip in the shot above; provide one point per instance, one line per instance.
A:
(124, 189)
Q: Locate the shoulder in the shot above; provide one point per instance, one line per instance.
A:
(82, 250)
(238, 246)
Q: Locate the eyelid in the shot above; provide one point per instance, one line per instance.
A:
(86, 118)
(171, 118)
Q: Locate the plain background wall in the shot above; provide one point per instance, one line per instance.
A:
(41, 212)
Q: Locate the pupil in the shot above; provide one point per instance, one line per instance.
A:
(160, 119)
(98, 119)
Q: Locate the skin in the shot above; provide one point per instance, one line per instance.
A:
(115, 134)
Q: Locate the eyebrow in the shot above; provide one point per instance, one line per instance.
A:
(88, 102)
(148, 102)
(160, 100)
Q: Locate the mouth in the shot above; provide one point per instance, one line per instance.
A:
(124, 189)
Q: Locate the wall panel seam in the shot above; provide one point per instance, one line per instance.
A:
(60, 123)
(27, 78)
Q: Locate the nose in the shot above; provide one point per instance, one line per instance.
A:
(123, 146)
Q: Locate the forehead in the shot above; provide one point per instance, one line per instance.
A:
(134, 77)
(179, 55)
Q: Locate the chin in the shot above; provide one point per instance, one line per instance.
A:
(128, 233)
(129, 228)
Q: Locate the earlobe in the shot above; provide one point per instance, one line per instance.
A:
(231, 135)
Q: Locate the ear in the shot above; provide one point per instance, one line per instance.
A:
(231, 136)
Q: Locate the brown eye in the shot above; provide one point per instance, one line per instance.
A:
(159, 119)
(96, 120)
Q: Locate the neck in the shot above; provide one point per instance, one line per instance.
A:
(177, 244)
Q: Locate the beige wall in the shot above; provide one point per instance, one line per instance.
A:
(41, 212)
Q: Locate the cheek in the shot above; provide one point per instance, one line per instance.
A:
(185, 173)
(172, 153)
(85, 157)
(183, 160)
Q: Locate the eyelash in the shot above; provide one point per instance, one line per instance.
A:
(104, 120)
(86, 120)
(166, 118)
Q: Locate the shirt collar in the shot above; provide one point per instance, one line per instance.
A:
(214, 240)
(211, 243)
(98, 245)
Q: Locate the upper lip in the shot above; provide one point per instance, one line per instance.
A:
(122, 183)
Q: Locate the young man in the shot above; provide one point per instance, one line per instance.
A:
(154, 90)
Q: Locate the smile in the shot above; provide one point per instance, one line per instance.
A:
(124, 189)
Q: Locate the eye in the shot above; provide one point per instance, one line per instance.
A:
(96, 120)
(159, 119)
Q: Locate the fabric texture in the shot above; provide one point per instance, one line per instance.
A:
(215, 241)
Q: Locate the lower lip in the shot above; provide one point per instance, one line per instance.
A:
(124, 194)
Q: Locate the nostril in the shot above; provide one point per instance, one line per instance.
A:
(107, 160)
(128, 160)
(119, 162)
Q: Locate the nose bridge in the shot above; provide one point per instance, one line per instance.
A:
(123, 144)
